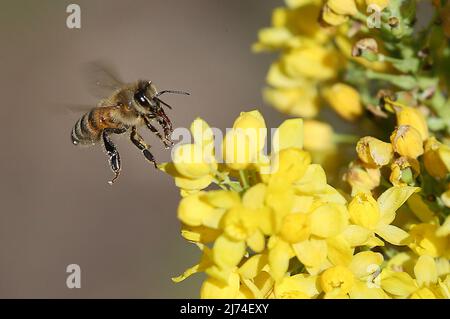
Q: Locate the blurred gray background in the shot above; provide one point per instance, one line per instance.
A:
(56, 206)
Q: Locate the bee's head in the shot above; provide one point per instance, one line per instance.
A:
(144, 98)
(147, 101)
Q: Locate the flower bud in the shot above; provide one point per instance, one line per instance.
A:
(407, 141)
(295, 228)
(344, 99)
(380, 4)
(436, 158)
(374, 152)
(364, 211)
(362, 179)
(368, 45)
(404, 171)
(343, 7)
(318, 136)
(332, 18)
(412, 117)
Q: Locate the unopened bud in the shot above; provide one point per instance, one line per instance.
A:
(436, 158)
(404, 171)
(407, 141)
(374, 152)
(368, 45)
(412, 117)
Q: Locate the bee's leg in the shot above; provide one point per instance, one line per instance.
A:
(167, 127)
(113, 155)
(167, 143)
(140, 144)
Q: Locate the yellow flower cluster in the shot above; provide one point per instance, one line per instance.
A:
(272, 225)
(277, 229)
(309, 70)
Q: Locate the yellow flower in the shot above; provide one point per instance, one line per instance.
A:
(206, 209)
(404, 170)
(425, 241)
(344, 99)
(436, 158)
(337, 278)
(213, 288)
(343, 7)
(244, 142)
(295, 228)
(425, 285)
(361, 178)
(194, 165)
(364, 211)
(411, 116)
(291, 27)
(407, 141)
(288, 135)
(332, 18)
(377, 216)
(444, 229)
(301, 101)
(318, 136)
(312, 61)
(299, 286)
(357, 279)
(374, 152)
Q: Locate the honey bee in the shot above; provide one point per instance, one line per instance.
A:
(129, 107)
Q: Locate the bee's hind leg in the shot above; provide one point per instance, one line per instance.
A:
(139, 142)
(113, 155)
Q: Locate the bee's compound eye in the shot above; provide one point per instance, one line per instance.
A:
(140, 97)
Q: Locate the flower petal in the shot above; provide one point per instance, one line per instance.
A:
(366, 290)
(365, 263)
(356, 235)
(289, 134)
(339, 251)
(392, 199)
(392, 234)
(425, 271)
(312, 253)
(279, 256)
(253, 266)
(228, 253)
(399, 284)
(328, 220)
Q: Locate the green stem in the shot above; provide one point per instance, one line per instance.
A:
(402, 81)
(345, 138)
(224, 179)
(244, 179)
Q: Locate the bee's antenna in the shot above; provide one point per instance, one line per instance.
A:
(161, 101)
(171, 91)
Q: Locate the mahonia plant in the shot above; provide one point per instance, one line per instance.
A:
(272, 226)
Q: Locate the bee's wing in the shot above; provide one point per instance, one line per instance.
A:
(67, 109)
(102, 78)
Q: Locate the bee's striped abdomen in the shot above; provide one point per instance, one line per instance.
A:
(87, 129)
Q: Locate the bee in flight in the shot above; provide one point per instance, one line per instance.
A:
(129, 107)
